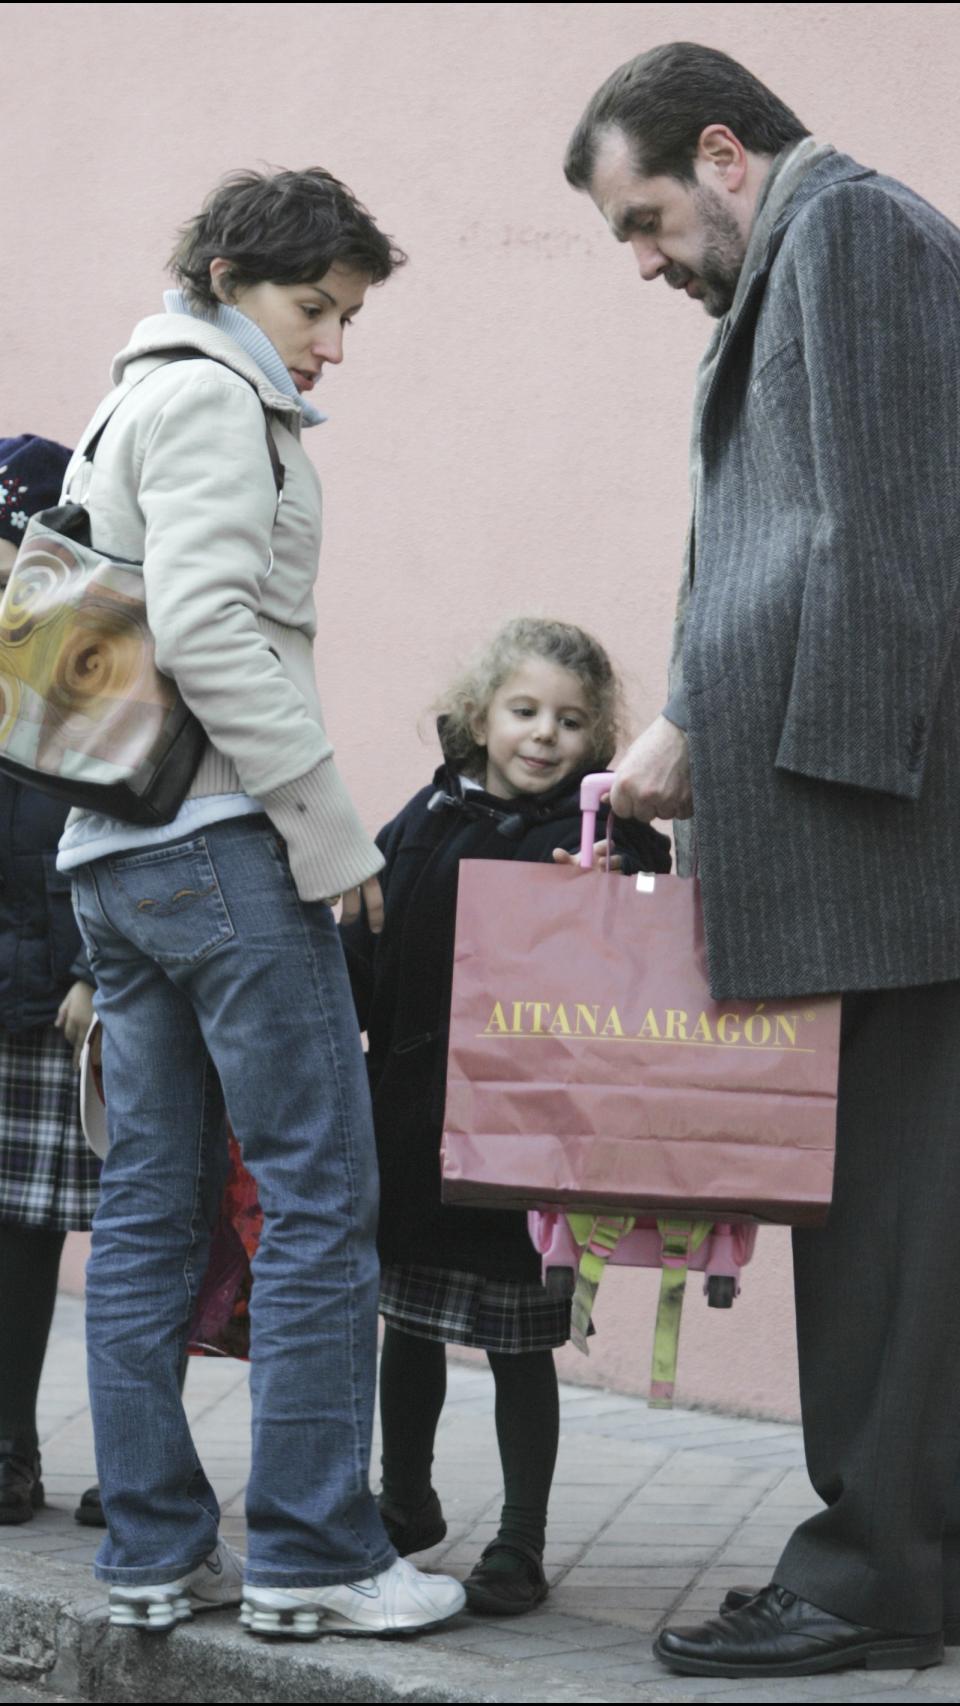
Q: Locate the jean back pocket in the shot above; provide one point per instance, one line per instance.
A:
(167, 901)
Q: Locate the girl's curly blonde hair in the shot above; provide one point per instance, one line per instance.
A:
(559, 643)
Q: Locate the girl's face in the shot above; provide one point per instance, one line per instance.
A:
(536, 730)
(304, 322)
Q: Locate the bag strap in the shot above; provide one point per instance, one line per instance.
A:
(90, 448)
(678, 1241)
(598, 1236)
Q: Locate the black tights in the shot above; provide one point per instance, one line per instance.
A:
(413, 1385)
(29, 1269)
(29, 1272)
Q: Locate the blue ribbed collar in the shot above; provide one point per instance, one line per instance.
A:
(248, 335)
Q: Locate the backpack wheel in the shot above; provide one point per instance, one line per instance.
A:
(721, 1291)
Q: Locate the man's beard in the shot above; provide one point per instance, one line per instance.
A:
(724, 247)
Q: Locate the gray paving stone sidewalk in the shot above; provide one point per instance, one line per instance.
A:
(654, 1515)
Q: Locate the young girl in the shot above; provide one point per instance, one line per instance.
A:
(539, 709)
(48, 1177)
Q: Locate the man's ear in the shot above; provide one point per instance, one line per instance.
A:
(724, 154)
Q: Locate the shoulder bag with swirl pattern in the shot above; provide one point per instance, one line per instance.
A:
(85, 714)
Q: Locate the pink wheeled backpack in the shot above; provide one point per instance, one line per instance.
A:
(577, 1247)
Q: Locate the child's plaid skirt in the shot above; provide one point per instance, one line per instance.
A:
(467, 1309)
(48, 1176)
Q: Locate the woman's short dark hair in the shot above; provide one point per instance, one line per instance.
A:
(281, 228)
(663, 100)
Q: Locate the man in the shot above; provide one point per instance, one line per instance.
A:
(817, 732)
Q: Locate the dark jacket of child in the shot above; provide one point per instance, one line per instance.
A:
(40, 949)
(401, 983)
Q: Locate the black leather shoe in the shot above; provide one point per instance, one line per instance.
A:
(735, 1598)
(514, 1584)
(21, 1489)
(777, 1634)
(413, 1530)
(89, 1512)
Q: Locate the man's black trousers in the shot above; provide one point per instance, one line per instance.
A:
(878, 1324)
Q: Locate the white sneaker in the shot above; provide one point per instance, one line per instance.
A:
(218, 1581)
(400, 1600)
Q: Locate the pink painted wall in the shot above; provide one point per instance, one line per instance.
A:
(508, 430)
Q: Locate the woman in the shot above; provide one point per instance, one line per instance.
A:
(216, 953)
(48, 1177)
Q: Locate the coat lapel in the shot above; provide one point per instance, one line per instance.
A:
(835, 169)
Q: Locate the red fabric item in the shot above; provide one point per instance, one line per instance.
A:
(589, 1065)
(221, 1320)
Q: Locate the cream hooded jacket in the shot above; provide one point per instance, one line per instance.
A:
(182, 484)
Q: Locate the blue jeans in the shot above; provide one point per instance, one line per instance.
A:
(212, 972)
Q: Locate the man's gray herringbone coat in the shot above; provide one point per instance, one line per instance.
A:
(821, 657)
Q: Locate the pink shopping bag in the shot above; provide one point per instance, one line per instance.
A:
(589, 1064)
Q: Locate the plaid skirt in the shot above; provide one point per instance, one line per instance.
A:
(467, 1309)
(48, 1176)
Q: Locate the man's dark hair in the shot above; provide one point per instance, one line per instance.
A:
(663, 100)
(281, 228)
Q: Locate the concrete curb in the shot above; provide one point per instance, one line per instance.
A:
(54, 1637)
(51, 1624)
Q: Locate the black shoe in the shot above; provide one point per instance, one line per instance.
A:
(89, 1511)
(777, 1634)
(736, 1598)
(504, 1592)
(21, 1489)
(413, 1531)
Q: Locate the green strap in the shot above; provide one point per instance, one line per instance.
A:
(598, 1236)
(679, 1239)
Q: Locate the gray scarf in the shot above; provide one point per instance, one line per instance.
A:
(788, 170)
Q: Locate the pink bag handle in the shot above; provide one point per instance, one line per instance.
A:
(592, 790)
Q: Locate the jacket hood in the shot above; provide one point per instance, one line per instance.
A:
(559, 804)
(159, 334)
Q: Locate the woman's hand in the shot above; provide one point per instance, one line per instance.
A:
(75, 1016)
(370, 895)
(562, 857)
